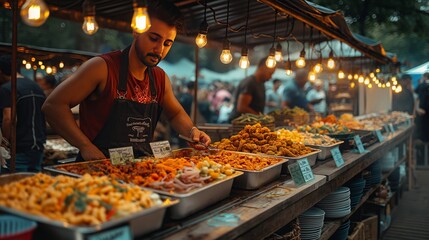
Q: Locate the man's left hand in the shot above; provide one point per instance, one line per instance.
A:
(201, 137)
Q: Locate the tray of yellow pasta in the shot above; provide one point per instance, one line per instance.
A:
(75, 208)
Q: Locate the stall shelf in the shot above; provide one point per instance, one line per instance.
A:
(259, 216)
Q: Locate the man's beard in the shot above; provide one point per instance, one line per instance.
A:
(142, 57)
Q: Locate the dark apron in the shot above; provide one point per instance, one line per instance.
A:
(129, 123)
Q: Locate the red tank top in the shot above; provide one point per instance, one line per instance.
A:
(94, 113)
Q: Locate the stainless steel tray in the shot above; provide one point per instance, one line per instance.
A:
(311, 157)
(140, 223)
(250, 179)
(325, 151)
(190, 202)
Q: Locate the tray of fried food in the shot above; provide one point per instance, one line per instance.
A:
(70, 208)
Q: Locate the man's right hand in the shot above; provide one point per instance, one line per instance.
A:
(91, 153)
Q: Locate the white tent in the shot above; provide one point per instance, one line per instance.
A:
(417, 72)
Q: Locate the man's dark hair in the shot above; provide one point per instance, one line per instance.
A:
(6, 65)
(167, 12)
(276, 81)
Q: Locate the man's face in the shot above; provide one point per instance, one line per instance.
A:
(152, 46)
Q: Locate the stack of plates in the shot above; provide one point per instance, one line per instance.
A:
(336, 204)
(356, 190)
(342, 232)
(311, 223)
(374, 176)
(394, 180)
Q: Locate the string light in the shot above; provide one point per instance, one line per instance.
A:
(356, 76)
(48, 70)
(331, 61)
(271, 59)
(42, 67)
(288, 67)
(388, 84)
(278, 55)
(370, 85)
(28, 66)
(366, 82)
(312, 76)
(318, 68)
(244, 59)
(226, 56)
(379, 85)
(341, 74)
(33, 59)
(201, 39)
(395, 83)
(377, 70)
(371, 75)
(398, 89)
(350, 77)
(24, 62)
(140, 21)
(394, 87)
(360, 79)
(34, 12)
(352, 85)
(61, 65)
(89, 25)
(40, 63)
(300, 63)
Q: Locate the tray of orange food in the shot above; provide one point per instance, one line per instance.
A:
(76, 208)
(258, 169)
(180, 178)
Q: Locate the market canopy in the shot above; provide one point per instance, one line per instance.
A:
(321, 24)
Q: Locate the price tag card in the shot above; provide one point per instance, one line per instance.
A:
(301, 172)
(379, 135)
(359, 144)
(121, 155)
(338, 157)
(120, 233)
(391, 128)
(386, 129)
(160, 149)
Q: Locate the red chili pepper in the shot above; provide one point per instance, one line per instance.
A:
(110, 214)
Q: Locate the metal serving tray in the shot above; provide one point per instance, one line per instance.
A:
(325, 151)
(311, 157)
(250, 179)
(190, 202)
(140, 223)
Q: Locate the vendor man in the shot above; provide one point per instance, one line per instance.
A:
(122, 94)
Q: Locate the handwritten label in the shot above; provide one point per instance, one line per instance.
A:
(120, 233)
(338, 157)
(119, 156)
(391, 128)
(379, 135)
(301, 172)
(160, 149)
(359, 144)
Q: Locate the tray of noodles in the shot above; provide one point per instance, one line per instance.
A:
(76, 208)
(195, 185)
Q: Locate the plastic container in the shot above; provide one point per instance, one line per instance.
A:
(15, 228)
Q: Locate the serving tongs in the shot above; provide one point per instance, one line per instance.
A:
(196, 145)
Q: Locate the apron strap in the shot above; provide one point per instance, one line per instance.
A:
(123, 77)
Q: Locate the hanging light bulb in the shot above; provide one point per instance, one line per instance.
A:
(226, 56)
(331, 61)
(350, 77)
(288, 67)
(383, 85)
(394, 79)
(312, 76)
(395, 83)
(24, 62)
(33, 59)
(40, 63)
(352, 85)
(89, 25)
(34, 67)
(48, 70)
(360, 79)
(356, 76)
(366, 82)
(34, 12)
(370, 85)
(300, 63)
(377, 70)
(394, 87)
(398, 89)
(371, 75)
(201, 39)
(271, 59)
(244, 59)
(42, 67)
(28, 66)
(61, 65)
(278, 54)
(388, 84)
(318, 68)
(379, 85)
(341, 74)
(140, 21)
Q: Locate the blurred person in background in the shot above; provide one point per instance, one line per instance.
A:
(47, 83)
(294, 92)
(225, 110)
(30, 121)
(404, 101)
(422, 110)
(317, 97)
(274, 98)
(250, 93)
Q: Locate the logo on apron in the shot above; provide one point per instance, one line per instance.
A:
(139, 129)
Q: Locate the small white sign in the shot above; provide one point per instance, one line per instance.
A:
(160, 149)
(120, 156)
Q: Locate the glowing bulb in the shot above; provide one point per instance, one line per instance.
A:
(341, 75)
(201, 39)
(40, 63)
(48, 70)
(35, 67)
(379, 84)
(350, 77)
(361, 79)
(371, 75)
(42, 67)
(226, 56)
(89, 25)
(377, 70)
(318, 68)
(312, 76)
(331, 63)
(399, 89)
(395, 83)
(393, 87)
(244, 62)
(370, 85)
(366, 82)
(140, 21)
(24, 62)
(61, 65)
(288, 67)
(288, 72)
(271, 61)
(383, 85)
(300, 63)
(28, 66)
(394, 79)
(278, 53)
(34, 12)
(388, 84)
(33, 59)
(356, 76)
(352, 85)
